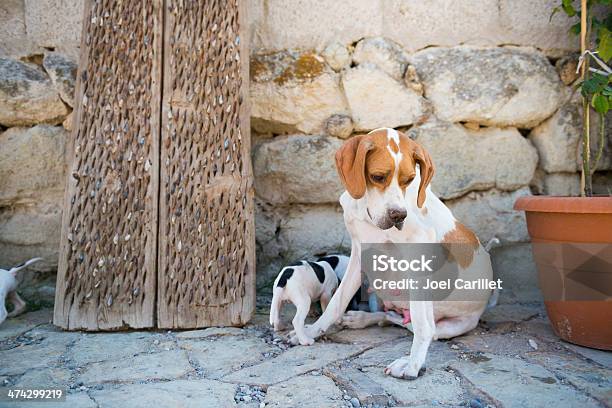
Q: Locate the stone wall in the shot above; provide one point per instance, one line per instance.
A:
(486, 89)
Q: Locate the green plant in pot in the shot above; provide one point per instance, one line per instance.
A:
(572, 236)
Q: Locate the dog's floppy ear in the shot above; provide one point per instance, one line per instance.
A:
(350, 162)
(427, 170)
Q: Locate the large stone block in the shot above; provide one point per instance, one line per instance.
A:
(32, 163)
(29, 231)
(491, 86)
(312, 24)
(32, 175)
(377, 100)
(414, 24)
(419, 24)
(55, 24)
(286, 234)
(297, 169)
(559, 139)
(490, 214)
(531, 23)
(13, 37)
(514, 265)
(293, 92)
(27, 96)
(385, 54)
(468, 160)
(602, 183)
(556, 184)
(62, 72)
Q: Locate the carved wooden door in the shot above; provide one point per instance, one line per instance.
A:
(158, 224)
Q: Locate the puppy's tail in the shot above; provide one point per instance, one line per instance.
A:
(275, 307)
(493, 299)
(493, 243)
(13, 271)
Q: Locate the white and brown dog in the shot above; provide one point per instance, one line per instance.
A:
(388, 199)
(303, 283)
(8, 290)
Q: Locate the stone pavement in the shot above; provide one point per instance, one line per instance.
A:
(511, 360)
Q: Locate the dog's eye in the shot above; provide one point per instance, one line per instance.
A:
(406, 181)
(378, 178)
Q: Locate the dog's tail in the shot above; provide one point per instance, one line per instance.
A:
(493, 243)
(275, 307)
(13, 271)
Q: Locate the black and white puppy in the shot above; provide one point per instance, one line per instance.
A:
(8, 290)
(303, 283)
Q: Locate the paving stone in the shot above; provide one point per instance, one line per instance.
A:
(305, 392)
(510, 313)
(211, 331)
(439, 354)
(98, 347)
(539, 328)
(596, 381)
(227, 354)
(182, 393)
(369, 336)
(38, 354)
(295, 361)
(508, 344)
(516, 383)
(164, 365)
(44, 378)
(359, 385)
(435, 387)
(18, 325)
(601, 357)
(384, 354)
(79, 400)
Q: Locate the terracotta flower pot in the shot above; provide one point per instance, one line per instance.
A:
(572, 247)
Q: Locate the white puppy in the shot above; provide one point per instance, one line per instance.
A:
(8, 290)
(303, 283)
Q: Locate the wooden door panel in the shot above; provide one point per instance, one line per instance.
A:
(206, 270)
(107, 267)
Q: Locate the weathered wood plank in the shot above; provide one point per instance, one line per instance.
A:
(107, 268)
(206, 271)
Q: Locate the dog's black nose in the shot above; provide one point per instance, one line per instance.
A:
(397, 215)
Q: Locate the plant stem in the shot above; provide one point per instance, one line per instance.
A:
(585, 179)
(602, 133)
(586, 149)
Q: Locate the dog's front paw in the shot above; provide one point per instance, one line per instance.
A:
(310, 333)
(303, 340)
(306, 341)
(354, 319)
(404, 368)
